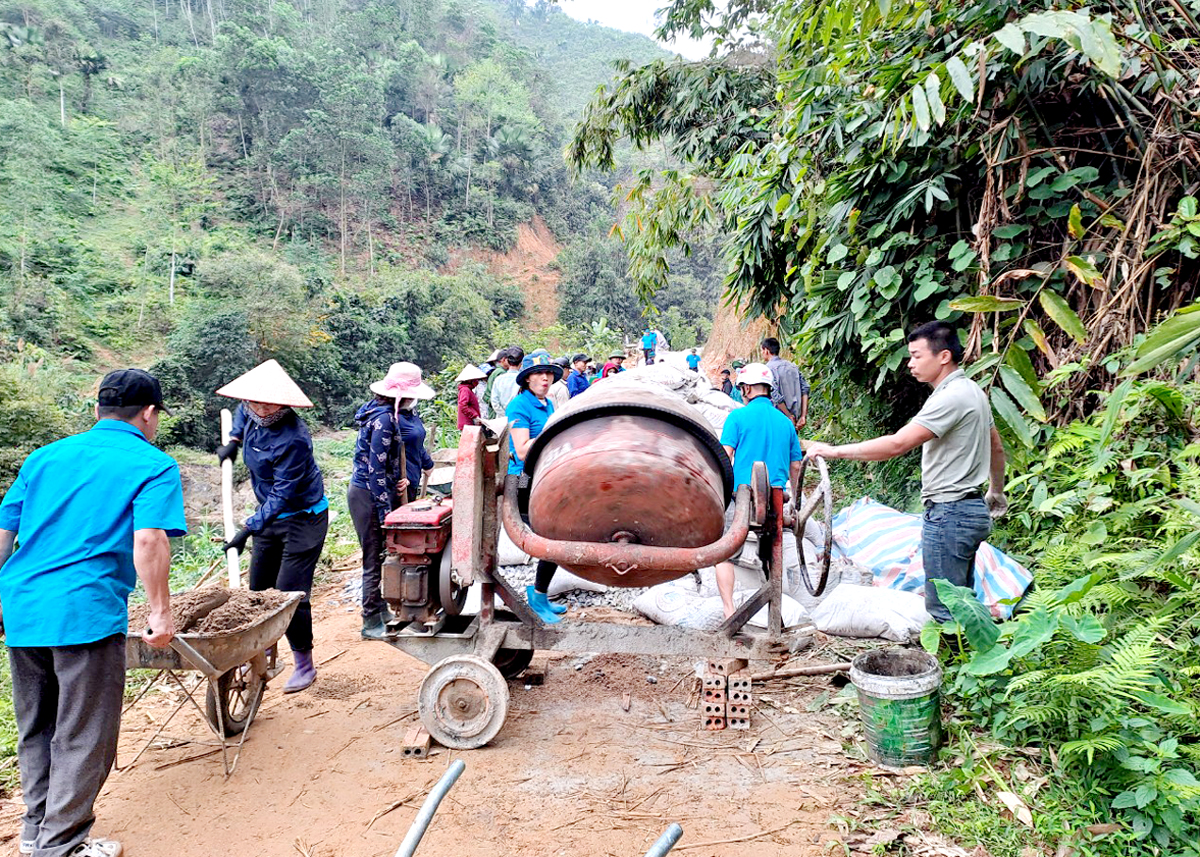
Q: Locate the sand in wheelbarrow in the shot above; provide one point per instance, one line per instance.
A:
(243, 610)
(212, 610)
(188, 609)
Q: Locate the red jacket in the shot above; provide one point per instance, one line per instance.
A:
(468, 405)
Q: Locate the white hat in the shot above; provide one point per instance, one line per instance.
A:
(756, 373)
(267, 383)
(403, 381)
(469, 373)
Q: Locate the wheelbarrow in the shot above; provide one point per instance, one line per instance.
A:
(236, 666)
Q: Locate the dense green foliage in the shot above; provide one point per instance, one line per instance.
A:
(1028, 170)
(880, 164)
(194, 188)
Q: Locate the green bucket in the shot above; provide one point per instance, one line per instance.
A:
(900, 704)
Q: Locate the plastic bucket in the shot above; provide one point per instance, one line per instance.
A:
(900, 705)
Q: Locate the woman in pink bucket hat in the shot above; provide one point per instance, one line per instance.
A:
(388, 459)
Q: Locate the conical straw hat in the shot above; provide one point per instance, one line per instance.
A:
(267, 383)
(470, 373)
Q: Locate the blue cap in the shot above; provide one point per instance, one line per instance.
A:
(538, 360)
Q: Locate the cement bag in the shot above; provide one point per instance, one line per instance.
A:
(870, 611)
(474, 601)
(667, 604)
(888, 542)
(507, 553)
(565, 581)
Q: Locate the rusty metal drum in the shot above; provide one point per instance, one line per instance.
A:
(627, 464)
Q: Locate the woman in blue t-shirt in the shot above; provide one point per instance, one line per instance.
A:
(527, 415)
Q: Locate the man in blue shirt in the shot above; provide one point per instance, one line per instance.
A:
(693, 361)
(758, 431)
(577, 381)
(648, 342)
(90, 514)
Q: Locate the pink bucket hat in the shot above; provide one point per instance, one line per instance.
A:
(403, 381)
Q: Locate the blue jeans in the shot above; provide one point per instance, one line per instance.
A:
(950, 537)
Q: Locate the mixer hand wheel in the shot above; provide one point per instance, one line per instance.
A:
(807, 504)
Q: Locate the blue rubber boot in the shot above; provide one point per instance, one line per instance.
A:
(541, 605)
(557, 608)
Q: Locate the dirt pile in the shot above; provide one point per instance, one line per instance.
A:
(529, 264)
(731, 337)
(212, 610)
(242, 610)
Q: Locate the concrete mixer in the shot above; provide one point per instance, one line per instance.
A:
(624, 486)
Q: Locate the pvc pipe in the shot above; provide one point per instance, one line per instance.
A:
(666, 842)
(421, 822)
(231, 555)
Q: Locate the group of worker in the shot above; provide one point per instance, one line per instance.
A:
(961, 450)
(92, 513)
(486, 390)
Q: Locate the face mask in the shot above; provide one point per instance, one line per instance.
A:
(271, 420)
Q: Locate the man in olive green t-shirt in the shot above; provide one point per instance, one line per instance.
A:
(961, 449)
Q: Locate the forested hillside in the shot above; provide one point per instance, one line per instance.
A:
(196, 186)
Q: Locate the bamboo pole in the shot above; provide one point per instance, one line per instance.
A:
(231, 555)
(819, 669)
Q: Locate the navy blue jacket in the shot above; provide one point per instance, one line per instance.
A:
(577, 382)
(377, 456)
(416, 457)
(283, 472)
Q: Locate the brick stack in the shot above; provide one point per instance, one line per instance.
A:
(740, 698)
(720, 709)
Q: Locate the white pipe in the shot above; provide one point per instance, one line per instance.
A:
(425, 815)
(231, 555)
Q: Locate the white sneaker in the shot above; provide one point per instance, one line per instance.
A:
(26, 846)
(98, 848)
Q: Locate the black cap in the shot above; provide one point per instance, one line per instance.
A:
(130, 387)
(579, 357)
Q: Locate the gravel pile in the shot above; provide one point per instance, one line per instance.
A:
(518, 577)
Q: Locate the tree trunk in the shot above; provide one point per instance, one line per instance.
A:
(343, 207)
(212, 22)
(171, 282)
(62, 103)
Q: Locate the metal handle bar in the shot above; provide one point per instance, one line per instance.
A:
(610, 554)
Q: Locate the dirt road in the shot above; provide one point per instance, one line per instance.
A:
(571, 773)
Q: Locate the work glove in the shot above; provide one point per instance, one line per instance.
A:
(238, 542)
(996, 502)
(228, 450)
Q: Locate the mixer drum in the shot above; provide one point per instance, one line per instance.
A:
(628, 463)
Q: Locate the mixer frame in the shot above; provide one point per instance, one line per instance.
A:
(463, 698)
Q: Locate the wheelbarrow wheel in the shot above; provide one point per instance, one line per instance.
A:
(238, 691)
(462, 702)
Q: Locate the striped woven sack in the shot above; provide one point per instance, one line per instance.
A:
(888, 542)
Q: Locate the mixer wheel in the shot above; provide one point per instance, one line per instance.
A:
(807, 506)
(462, 702)
(512, 662)
(760, 494)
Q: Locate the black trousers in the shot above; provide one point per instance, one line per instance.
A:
(284, 556)
(544, 574)
(68, 705)
(370, 537)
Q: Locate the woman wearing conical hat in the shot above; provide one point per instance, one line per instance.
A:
(468, 401)
(292, 519)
